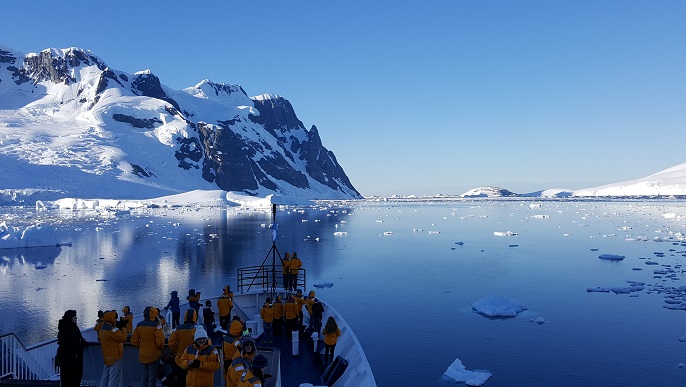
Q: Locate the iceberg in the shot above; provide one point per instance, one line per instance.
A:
(498, 306)
(322, 284)
(35, 235)
(458, 372)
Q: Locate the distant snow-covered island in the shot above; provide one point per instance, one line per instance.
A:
(669, 183)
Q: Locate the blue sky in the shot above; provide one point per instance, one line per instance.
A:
(420, 97)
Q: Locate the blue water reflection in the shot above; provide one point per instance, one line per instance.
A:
(402, 281)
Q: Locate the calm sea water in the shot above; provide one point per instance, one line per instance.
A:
(400, 279)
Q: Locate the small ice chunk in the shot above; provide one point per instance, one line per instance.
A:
(598, 290)
(460, 374)
(322, 284)
(619, 290)
(504, 233)
(539, 320)
(498, 306)
(611, 257)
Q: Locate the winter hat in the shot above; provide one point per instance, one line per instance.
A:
(69, 314)
(259, 361)
(174, 293)
(199, 333)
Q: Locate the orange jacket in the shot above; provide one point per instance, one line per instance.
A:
(229, 347)
(310, 301)
(235, 328)
(225, 302)
(267, 313)
(238, 365)
(285, 264)
(278, 309)
(148, 338)
(111, 339)
(290, 308)
(202, 376)
(295, 265)
(299, 300)
(182, 337)
(129, 317)
(331, 338)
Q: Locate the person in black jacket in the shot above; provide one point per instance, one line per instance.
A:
(69, 355)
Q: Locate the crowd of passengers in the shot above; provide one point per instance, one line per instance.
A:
(193, 358)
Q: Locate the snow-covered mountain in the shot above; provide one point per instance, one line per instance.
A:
(669, 182)
(487, 192)
(70, 126)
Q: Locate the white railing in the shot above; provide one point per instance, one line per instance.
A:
(33, 363)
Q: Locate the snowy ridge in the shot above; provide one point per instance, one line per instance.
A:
(669, 182)
(70, 126)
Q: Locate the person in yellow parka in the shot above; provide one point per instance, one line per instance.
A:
(254, 376)
(231, 341)
(278, 316)
(290, 311)
(149, 339)
(182, 337)
(331, 334)
(200, 359)
(129, 318)
(112, 336)
(241, 361)
(236, 326)
(294, 267)
(267, 315)
(301, 302)
(225, 305)
(286, 270)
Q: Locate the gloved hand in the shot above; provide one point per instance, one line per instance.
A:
(194, 364)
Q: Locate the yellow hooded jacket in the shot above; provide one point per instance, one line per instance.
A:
(295, 264)
(238, 365)
(309, 302)
(111, 339)
(225, 302)
(267, 313)
(278, 309)
(182, 337)
(290, 308)
(148, 337)
(285, 264)
(129, 317)
(209, 363)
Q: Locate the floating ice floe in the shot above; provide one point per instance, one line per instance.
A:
(598, 290)
(340, 233)
(387, 233)
(505, 233)
(498, 306)
(539, 320)
(460, 374)
(35, 235)
(611, 257)
(322, 284)
(540, 216)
